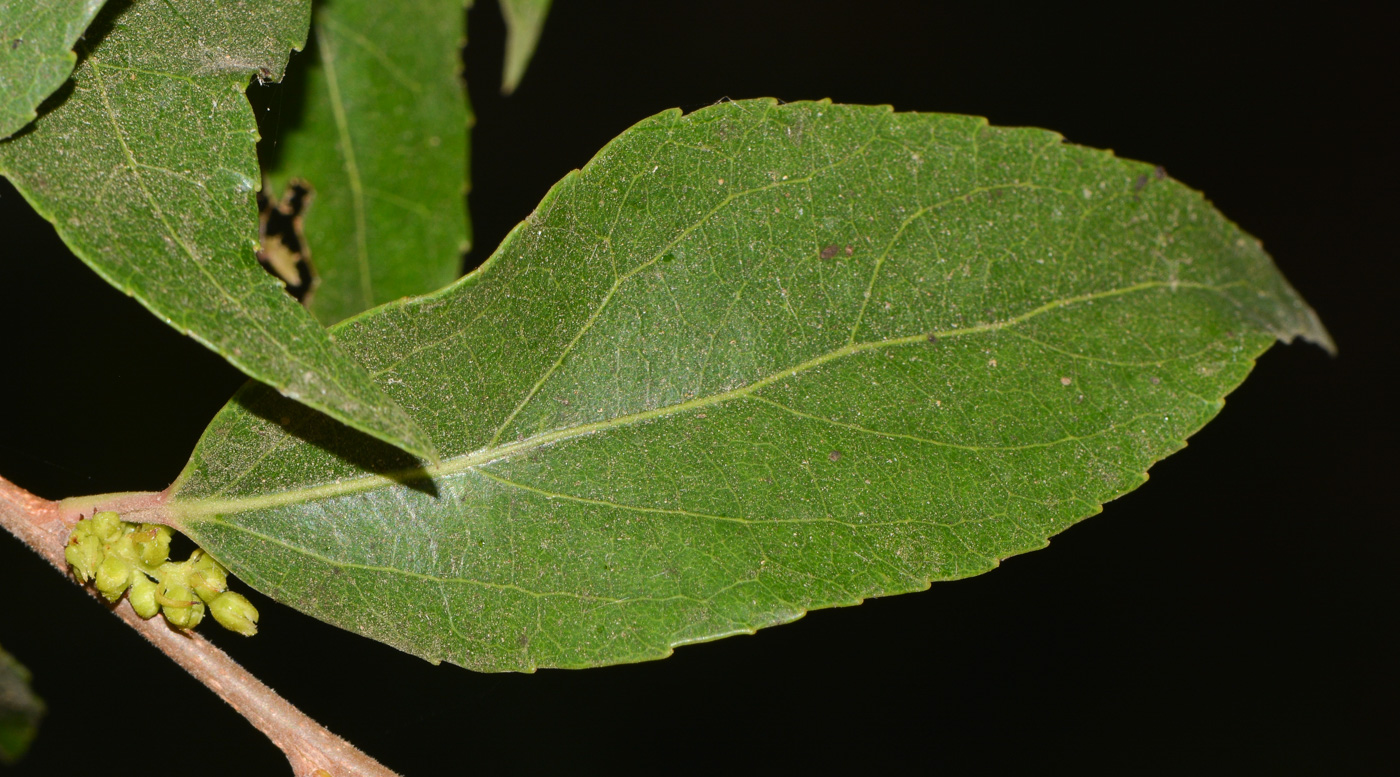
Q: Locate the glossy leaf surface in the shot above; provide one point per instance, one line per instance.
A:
(524, 23)
(148, 170)
(36, 53)
(381, 136)
(20, 709)
(749, 362)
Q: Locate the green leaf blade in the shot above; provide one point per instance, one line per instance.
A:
(750, 362)
(383, 142)
(20, 709)
(36, 53)
(148, 171)
(524, 23)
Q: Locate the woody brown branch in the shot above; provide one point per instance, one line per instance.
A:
(311, 749)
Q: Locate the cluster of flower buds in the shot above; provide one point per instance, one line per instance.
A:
(133, 559)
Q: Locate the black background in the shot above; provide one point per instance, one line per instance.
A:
(1232, 615)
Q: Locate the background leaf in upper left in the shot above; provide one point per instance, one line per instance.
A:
(148, 170)
(36, 53)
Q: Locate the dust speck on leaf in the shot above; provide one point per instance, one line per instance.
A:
(1065, 381)
(834, 456)
(932, 338)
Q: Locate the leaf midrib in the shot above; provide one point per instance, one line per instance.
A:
(194, 509)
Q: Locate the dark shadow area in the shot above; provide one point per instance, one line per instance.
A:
(59, 97)
(279, 106)
(102, 26)
(98, 394)
(482, 60)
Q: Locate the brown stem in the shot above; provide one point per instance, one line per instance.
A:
(312, 750)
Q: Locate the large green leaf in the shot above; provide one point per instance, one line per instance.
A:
(749, 362)
(148, 171)
(36, 53)
(382, 140)
(524, 23)
(20, 709)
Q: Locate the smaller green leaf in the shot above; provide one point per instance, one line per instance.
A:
(36, 53)
(524, 21)
(20, 709)
(382, 141)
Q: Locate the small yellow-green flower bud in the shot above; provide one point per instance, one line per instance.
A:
(185, 617)
(152, 543)
(180, 606)
(207, 577)
(113, 576)
(174, 593)
(107, 526)
(73, 554)
(143, 596)
(84, 552)
(196, 614)
(81, 529)
(171, 572)
(123, 545)
(235, 613)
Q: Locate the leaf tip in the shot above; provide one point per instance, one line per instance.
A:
(524, 23)
(1314, 332)
(417, 442)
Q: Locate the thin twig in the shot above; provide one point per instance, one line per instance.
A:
(312, 750)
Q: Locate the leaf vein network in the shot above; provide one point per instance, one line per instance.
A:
(210, 509)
